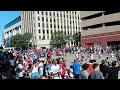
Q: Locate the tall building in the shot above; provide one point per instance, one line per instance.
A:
(100, 28)
(11, 29)
(44, 23)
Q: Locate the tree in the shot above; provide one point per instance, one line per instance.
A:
(20, 41)
(58, 39)
(76, 37)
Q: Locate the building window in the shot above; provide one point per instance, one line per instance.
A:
(46, 19)
(54, 20)
(68, 32)
(54, 14)
(39, 37)
(47, 37)
(50, 13)
(43, 37)
(51, 32)
(43, 31)
(42, 18)
(46, 12)
(58, 26)
(43, 25)
(47, 25)
(37, 12)
(64, 27)
(38, 24)
(38, 18)
(47, 31)
(50, 20)
(57, 14)
(54, 26)
(39, 30)
(42, 12)
(51, 25)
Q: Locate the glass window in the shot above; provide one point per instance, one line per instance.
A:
(43, 31)
(39, 37)
(42, 18)
(46, 19)
(54, 20)
(50, 13)
(51, 25)
(57, 14)
(39, 30)
(43, 25)
(54, 14)
(47, 25)
(48, 37)
(38, 24)
(54, 26)
(50, 20)
(38, 18)
(51, 32)
(43, 37)
(46, 12)
(38, 12)
(47, 31)
(42, 12)
(58, 26)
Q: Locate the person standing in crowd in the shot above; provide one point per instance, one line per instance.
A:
(96, 74)
(84, 73)
(20, 70)
(34, 70)
(55, 70)
(71, 73)
(63, 71)
(104, 68)
(113, 71)
(76, 69)
(12, 66)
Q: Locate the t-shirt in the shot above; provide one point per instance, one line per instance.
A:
(113, 72)
(20, 73)
(96, 75)
(12, 62)
(84, 74)
(55, 69)
(76, 68)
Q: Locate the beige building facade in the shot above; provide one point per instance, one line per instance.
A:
(44, 23)
(100, 28)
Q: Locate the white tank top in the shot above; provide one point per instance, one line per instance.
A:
(35, 69)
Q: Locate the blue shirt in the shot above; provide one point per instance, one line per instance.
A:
(76, 68)
(48, 67)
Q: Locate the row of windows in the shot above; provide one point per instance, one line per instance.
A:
(57, 18)
(101, 25)
(50, 13)
(58, 26)
(51, 31)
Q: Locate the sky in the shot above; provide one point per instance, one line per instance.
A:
(5, 18)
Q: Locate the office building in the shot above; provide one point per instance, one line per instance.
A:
(11, 29)
(100, 28)
(44, 23)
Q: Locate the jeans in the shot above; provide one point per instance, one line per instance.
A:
(77, 76)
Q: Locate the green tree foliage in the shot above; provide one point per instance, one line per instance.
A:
(59, 39)
(20, 41)
(76, 37)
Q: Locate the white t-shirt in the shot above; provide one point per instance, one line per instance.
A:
(55, 69)
(41, 65)
(12, 62)
(20, 74)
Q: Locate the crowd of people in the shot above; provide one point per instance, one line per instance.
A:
(29, 64)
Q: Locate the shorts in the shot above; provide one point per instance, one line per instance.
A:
(35, 75)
